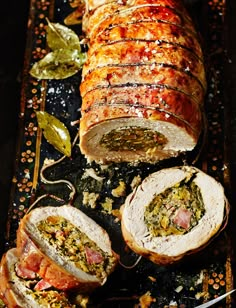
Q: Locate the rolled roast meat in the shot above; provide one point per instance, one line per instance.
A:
(143, 84)
(66, 248)
(23, 289)
(174, 212)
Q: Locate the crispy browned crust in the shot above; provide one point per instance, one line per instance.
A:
(145, 52)
(144, 61)
(150, 31)
(138, 75)
(148, 101)
(107, 8)
(155, 11)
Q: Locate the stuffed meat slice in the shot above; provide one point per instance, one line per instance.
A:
(24, 289)
(174, 212)
(66, 248)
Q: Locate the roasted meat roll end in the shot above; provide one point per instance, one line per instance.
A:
(19, 289)
(143, 84)
(66, 248)
(174, 212)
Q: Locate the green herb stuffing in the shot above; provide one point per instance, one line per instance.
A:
(133, 138)
(53, 299)
(175, 211)
(76, 246)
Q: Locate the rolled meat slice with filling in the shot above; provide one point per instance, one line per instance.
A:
(24, 289)
(66, 248)
(143, 84)
(172, 213)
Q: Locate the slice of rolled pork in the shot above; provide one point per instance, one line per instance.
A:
(66, 248)
(179, 225)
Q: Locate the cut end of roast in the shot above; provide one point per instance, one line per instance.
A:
(136, 140)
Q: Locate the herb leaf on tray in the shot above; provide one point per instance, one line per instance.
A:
(65, 58)
(59, 36)
(55, 132)
(58, 64)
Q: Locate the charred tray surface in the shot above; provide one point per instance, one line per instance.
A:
(203, 276)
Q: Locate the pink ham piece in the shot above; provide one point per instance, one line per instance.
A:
(42, 285)
(93, 256)
(23, 272)
(182, 218)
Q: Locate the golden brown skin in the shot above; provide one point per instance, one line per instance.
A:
(110, 8)
(145, 61)
(147, 99)
(148, 31)
(145, 52)
(142, 13)
(141, 75)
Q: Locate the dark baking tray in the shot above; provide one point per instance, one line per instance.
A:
(202, 276)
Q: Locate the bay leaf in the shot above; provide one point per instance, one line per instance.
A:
(55, 132)
(59, 36)
(59, 64)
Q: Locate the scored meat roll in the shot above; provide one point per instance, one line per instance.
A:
(174, 212)
(143, 84)
(17, 291)
(66, 248)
